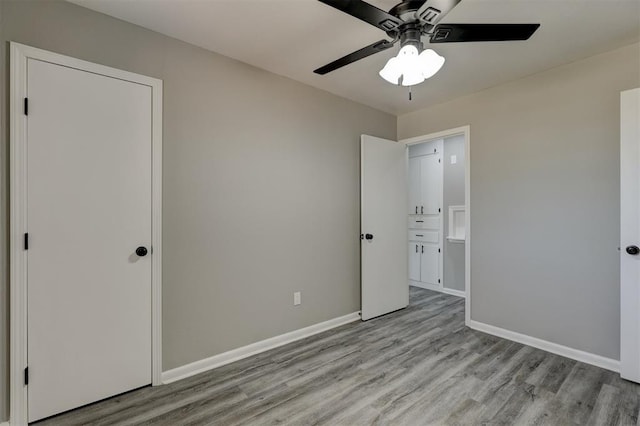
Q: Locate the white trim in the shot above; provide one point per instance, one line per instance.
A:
(578, 355)
(466, 131)
(440, 144)
(156, 233)
(454, 292)
(455, 240)
(438, 288)
(436, 135)
(17, 257)
(253, 349)
(19, 54)
(4, 424)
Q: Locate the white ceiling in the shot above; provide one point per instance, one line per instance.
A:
(294, 37)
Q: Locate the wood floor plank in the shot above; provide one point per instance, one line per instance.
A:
(417, 366)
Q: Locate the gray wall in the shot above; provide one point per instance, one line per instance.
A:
(545, 198)
(453, 196)
(261, 183)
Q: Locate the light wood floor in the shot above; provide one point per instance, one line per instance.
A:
(418, 366)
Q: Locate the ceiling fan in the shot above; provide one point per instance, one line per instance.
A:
(408, 22)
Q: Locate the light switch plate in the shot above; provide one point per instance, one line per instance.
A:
(454, 159)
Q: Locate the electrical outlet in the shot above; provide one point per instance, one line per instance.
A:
(297, 299)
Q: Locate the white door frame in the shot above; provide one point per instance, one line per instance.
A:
(466, 131)
(18, 213)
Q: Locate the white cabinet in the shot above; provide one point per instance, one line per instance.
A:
(415, 194)
(425, 216)
(424, 263)
(425, 184)
(430, 264)
(414, 261)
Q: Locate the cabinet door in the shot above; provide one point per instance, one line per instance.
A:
(430, 183)
(415, 191)
(414, 261)
(429, 264)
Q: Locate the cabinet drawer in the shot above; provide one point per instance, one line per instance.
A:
(424, 222)
(424, 236)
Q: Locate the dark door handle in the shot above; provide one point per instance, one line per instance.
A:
(142, 251)
(416, 209)
(368, 236)
(422, 210)
(633, 250)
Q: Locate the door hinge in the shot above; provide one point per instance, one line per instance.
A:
(26, 241)
(26, 376)
(26, 106)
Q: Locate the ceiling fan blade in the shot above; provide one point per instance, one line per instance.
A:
(432, 11)
(376, 47)
(366, 12)
(452, 33)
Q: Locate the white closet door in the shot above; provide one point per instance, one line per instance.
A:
(89, 208)
(383, 197)
(630, 235)
(431, 183)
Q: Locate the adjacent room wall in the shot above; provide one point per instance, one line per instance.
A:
(453, 196)
(545, 198)
(261, 184)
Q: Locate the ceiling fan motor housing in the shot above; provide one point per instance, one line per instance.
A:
(411, 31)
(410, 35)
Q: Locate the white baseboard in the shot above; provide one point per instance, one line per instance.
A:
(219, 360)
(555, 348)
(4, 424)
(438, 288)
(453, 292)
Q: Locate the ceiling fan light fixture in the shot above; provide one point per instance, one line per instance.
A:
(392, 71)
(430, 63)
(412, 66)
(412, 77)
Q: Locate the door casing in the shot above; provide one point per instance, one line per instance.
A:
(19, 54)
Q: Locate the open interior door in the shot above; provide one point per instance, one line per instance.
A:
(383, 221)
(630, 235)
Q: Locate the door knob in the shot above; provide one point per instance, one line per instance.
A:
(141, 251)
(369, 236)
(633, 250)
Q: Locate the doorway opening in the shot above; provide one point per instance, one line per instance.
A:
(438, 222)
